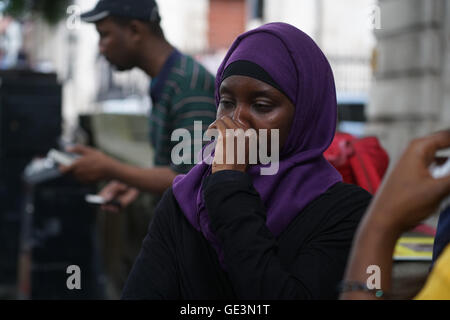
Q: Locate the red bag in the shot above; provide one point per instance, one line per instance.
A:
(360, 161)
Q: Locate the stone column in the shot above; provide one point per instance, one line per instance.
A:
(410, 94)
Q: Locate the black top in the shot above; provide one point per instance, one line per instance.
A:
(306, 261)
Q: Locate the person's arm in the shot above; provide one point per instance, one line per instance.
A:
(95, 166)
(407, 196)
(251, 252)
(188, 106)
(154, 180)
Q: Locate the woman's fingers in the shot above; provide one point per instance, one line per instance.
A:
(220, 152)
(212, 125)
(242, 136)
(228, 155)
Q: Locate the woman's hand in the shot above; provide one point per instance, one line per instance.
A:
(240, 157)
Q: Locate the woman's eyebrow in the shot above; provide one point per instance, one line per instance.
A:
(268, 93)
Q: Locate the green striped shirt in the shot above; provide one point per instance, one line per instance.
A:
(185, 94)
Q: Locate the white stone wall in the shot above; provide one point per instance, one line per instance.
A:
(410, 96)
(339, 27)
(185, 23)
(300, 13)
(445, 110)
(343, 30)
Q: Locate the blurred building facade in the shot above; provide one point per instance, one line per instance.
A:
(205, 29)
(344, 31)
(407, 97)
(410, 96)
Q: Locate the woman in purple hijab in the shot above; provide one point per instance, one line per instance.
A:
(233, 229)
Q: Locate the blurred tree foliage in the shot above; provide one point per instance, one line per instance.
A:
(50, 10)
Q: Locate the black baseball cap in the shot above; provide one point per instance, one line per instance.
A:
(146, 10)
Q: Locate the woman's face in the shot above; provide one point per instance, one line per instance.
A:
(257, 105)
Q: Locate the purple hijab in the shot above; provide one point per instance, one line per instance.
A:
(300, 68)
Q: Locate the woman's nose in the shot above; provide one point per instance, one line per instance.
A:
(240, 115)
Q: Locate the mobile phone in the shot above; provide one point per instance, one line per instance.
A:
(440, 171)
(63, 158)
(444, 153)
(99, 200)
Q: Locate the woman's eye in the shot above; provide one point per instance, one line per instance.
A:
(226, 104)
(262, 107)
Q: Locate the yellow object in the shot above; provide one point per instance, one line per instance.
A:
(414, 248)
(437, 286)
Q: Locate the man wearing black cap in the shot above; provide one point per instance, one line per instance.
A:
(182, 92)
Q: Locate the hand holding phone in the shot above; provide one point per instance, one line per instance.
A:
(62, 158)
(119, 193)
(99, 200)
(441, 171)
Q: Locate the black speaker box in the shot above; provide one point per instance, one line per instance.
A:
(30, 113)
(64, 234)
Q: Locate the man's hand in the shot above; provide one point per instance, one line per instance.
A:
(118, 191)
(92, 166)
(220, 155)
(410, 194)
(407, 196)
